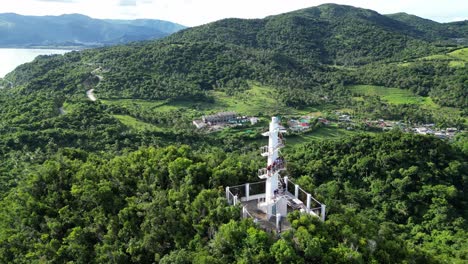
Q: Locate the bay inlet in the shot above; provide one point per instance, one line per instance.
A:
(11, 58)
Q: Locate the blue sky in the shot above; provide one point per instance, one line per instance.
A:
(196, 12)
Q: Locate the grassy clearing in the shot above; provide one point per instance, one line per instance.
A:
(391, 95)
(461, 54)
(161, 105)
(457, 64)
(402, 96)
(135, 123)
(250, 102)
(259, 100)
(438, 57)
(319, 134)
(457, 58)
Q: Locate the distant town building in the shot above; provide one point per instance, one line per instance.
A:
(324, 121)
(440, 135)
(254, 120)
(298, 125)
(222, 117)
(199, 123)
(344, 118)
(423, 130)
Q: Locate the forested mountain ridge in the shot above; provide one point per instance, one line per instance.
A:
(432, 30)
(128, 179)
(77, 30)
(329, 34)
(311, 52)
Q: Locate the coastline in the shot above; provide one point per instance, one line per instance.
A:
(13, 57)
(51, 47)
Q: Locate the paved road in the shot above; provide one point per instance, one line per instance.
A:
(90, 95)
(90, 92)
(62, 112)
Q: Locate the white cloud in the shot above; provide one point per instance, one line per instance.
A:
(60, 1)
(128, 3)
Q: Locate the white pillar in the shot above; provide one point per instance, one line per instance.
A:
(272, 181)
(235, 199)
(296, 190)
(286, 182)
(247, 191)
(323, 212)
(308, 202)
(278, 219)
(244, 214)
(227, 194)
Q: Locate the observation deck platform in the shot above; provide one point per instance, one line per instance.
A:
(251, 196)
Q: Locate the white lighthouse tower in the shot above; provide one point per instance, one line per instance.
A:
(268, 201)
(273, 205)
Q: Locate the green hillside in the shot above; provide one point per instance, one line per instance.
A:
(329, 33)
(296, 53)
(129, 179)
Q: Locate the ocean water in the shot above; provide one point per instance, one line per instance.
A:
(11, 58)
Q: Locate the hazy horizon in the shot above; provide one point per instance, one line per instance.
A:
(196, 12)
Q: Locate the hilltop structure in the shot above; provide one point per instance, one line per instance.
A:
(221, 119)
(268, 202)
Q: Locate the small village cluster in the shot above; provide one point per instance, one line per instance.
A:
(346, 121)
(223, 119)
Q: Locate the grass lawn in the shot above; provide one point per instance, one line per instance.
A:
(457, 58)
(259, 100)
(136, 124)
(461, 54)
(391, 95)
(402, 96)
(319, 134)
(161, 105)
(457, 64)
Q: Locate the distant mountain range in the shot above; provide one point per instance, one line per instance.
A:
(432, 30)
(78, 30)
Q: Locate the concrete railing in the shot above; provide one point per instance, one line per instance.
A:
(256, 191)
(312, 205)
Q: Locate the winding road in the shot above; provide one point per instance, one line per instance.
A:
(90, 95)
(90, 92)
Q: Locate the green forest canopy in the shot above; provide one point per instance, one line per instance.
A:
(84, 187)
